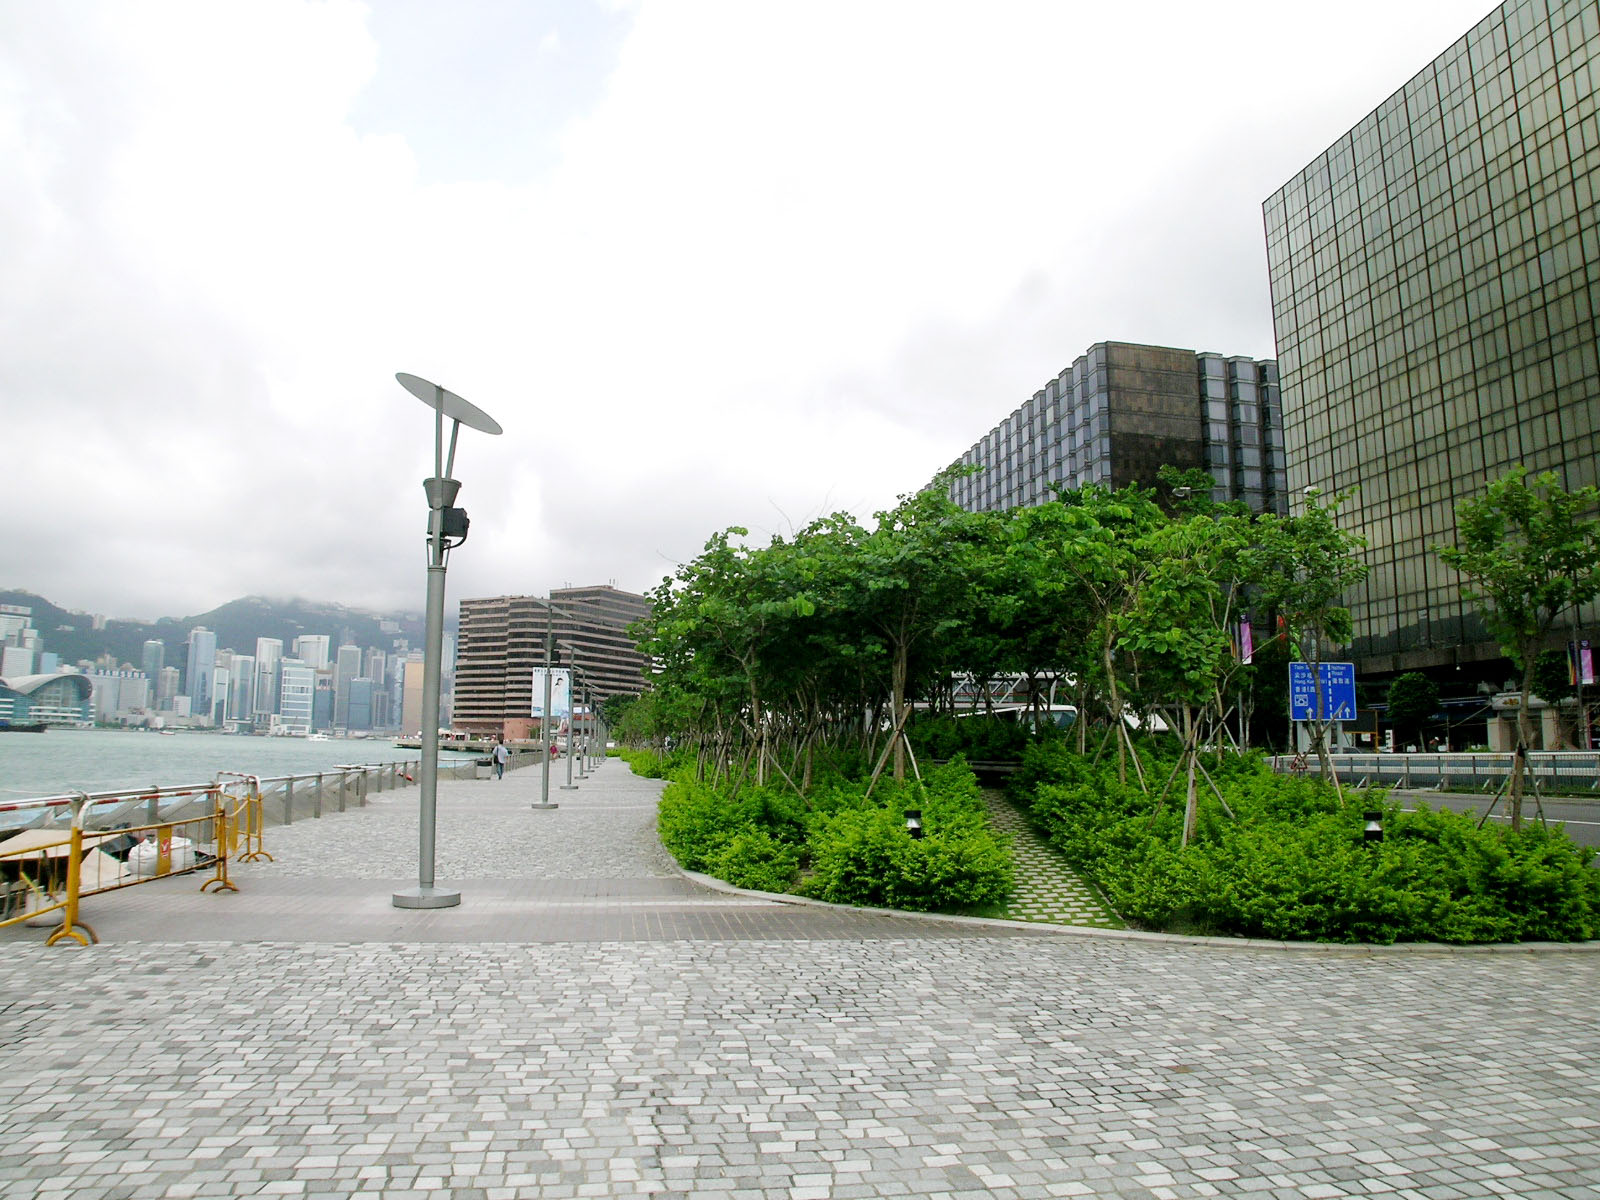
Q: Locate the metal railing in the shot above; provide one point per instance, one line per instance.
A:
(1553, 769)
(54, 845)
(99, 850)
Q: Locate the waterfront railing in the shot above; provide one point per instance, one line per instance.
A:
(60, 848)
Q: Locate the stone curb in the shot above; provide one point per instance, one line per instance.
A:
(1170, 939)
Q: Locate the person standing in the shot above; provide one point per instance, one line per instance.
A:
(502, 755)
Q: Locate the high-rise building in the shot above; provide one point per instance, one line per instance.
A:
(296, 689)
(17, 661)
(359, 713)
(242, 703)
(1119, 414)
(197, 677)
(314, 649)
(322, 701)
(502, 641)
(117, 693)
(347, 665)
(376, 661)
(411, 718)
(167, 688)
(153, 658)
(221, 693)
(269, 653)
(1435, 292)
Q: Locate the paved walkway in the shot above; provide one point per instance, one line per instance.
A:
(589, 1023)
(1047, 889)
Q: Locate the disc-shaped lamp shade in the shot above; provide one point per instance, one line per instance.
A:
(450, 404)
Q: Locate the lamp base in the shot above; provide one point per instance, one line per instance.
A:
(550, 804)
(421, 897)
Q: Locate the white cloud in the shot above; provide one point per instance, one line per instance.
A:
(791, 258)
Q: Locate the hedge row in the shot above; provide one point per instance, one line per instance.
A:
(838, 845)
(1292, 863)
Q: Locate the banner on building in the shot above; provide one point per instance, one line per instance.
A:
(1247, 644)
(1580, 663)
(560, 692)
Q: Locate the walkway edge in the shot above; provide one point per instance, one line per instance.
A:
(1172, 939)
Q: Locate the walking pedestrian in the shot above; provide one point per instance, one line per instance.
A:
(502, 755)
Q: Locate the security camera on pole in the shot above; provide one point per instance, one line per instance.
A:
(447, 529)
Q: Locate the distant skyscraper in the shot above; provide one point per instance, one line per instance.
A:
(376, 660)
(314, 649)
(411, 703)
(221, 697)
(166, 688)
(359, 711)
(16, 661)
(242, 704)
(154, 658)
(269, 653)
(202, 661)
(297, 686)
(347, 666)
(322, 702)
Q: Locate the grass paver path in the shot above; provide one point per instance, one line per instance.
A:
(1047, 889)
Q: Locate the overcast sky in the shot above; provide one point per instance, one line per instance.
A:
(707, 263)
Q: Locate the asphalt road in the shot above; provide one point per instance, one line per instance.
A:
(1581, 817)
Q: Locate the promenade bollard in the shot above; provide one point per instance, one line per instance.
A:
(288, 801)
(344, 780)
(316, 807)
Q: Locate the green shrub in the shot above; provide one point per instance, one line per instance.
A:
(1292, 863)
(755, 859)
(977, 738)
(853, 850)
(862, 854)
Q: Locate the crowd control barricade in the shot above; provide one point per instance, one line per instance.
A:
(68, 847)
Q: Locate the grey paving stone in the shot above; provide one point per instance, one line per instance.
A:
(600, 1026)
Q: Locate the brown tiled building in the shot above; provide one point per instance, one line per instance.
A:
(502, 638)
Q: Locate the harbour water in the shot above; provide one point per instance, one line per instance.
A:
(65, 760)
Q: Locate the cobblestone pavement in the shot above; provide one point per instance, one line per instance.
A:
(1047, 889)
(909, 1058)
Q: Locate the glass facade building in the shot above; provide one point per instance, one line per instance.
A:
(1123, 411)
(1435, 288)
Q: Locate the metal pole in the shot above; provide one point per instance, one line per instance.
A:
(544, 718)
(441, 494)
(583, 759)
(572, 720)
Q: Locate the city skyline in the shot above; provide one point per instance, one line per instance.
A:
(695, 292)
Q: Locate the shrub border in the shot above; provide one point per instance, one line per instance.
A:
(1048, 929)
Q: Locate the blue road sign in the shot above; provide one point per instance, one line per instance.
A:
(1338, 692)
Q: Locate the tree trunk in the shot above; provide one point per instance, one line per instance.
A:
(1116, 704)
(1191, 805)
(899, 701)
(1519, 760)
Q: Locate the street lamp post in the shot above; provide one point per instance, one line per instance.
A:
(545, 714)
(583, 759)
(447, 528)
(572, 716)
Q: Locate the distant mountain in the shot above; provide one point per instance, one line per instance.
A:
(237, 625)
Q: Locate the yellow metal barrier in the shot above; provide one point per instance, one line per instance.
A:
(247, 823)
(87, 871)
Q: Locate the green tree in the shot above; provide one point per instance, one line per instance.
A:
(1302, 566)
(1528, 550)
(1413, 700)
